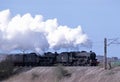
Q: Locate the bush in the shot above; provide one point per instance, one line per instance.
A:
(6, 69)
(34, 76)
(61, 72)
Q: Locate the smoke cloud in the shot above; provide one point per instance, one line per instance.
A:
(33, 33)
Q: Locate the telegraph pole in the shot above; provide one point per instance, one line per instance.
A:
(105, 53)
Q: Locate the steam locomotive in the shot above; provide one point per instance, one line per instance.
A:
(82, 58)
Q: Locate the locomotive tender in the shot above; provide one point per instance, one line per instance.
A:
(82, 58)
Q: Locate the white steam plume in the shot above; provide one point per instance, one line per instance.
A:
(32, 33)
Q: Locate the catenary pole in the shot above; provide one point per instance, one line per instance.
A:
(105, 53)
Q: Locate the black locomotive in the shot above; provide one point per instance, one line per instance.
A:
(82, 58)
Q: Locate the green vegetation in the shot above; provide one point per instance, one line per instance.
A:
(114, 64)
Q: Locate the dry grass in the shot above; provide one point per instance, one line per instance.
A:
(59, 74)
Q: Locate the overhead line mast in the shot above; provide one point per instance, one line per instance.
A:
(105, 53)
(113, 41)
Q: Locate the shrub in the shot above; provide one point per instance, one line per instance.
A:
(34, 76)
(61, 72)
(6, 69)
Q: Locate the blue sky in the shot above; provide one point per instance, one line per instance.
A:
(98, 18)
